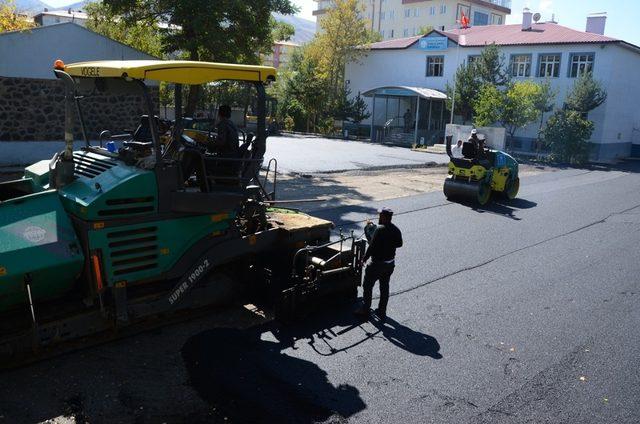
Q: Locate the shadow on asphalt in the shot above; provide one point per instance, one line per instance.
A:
(248, 374)
(506, 208)
(410, 340)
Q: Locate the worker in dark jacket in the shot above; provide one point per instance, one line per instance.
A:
(226, 142)
(383, 243)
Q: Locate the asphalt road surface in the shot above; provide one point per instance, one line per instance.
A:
(524, 312)
(298, 154)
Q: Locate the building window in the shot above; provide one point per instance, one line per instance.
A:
(435, 66)
(461, 9)
(496, 19)
(580, 63)
(443, 9)
(480, 18)
(416, 12)
(382, 33)
(382, 15)
(392, 14)
(407, 13)
(521, 65)
(413, 31)
(405, 33)
(472, 58)
(391, 35)
(432, 10)
(549, 65)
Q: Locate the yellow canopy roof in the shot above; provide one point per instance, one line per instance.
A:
(176, 71)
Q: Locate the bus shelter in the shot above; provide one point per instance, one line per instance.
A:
(407, 115)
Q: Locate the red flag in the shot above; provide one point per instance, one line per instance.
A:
(464, 20)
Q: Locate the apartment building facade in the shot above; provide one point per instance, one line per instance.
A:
(405, 18)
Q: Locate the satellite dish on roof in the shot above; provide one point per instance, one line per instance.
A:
(537, 17)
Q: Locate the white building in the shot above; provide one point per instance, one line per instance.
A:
(404, 18)
(396, 73)
(52, 17)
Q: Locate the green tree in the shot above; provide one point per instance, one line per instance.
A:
(358, 110)
(219, 31)
(351, 108)
(514, 107)
(468, 87)
(488, 106)
(142, 35)
(520, 105)
(490, 67)
(303, 95)
(282, 31)
(10, 19)
(567, 133)
(340, 41)
(586, 94)
(424, 30)
(543, 102)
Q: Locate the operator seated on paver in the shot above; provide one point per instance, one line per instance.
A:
(226, 141)
(383, 239)
(225, 145)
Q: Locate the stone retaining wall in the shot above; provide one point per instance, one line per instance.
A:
(33, 109)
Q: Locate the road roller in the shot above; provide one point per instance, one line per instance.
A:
(480, 173)
(149, 226)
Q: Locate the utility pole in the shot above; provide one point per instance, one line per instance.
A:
(453, 99)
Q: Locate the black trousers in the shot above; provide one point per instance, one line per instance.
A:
(377, 271)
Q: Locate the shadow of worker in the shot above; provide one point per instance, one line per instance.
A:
(251, 380)
(410, 340)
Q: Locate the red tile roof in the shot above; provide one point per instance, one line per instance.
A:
(397, 43)
(505, 35)
(510, 35)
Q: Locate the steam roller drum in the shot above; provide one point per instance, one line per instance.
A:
(478, 192)
(512, 188)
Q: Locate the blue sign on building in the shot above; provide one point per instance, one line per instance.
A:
(433, 43)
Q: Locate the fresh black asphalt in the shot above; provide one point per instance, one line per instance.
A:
(523, 311)
(520, 312)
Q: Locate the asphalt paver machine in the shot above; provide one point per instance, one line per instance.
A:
(99, 240)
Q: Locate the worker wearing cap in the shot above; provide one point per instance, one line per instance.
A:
(473, 138)
(383, 243)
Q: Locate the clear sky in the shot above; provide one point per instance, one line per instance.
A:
(622, 21)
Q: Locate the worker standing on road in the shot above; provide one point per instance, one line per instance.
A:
(383, 243)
